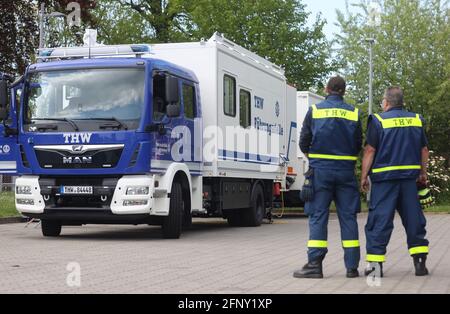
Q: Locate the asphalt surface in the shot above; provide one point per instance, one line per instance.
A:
(211, 258)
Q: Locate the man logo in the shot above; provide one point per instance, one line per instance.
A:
(77, 160)
(78, 149)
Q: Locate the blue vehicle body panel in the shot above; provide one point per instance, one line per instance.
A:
(9, 149)
(148, 145)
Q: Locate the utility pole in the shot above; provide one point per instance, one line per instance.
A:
(42, 20)
(374, 21)
(41, 26)
(371, 42)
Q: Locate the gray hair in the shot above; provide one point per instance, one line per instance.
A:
(394, 96)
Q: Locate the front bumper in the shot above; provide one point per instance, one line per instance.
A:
(109, 196)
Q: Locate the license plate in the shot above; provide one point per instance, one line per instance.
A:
(77, 190)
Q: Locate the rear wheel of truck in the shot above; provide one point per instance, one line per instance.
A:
(234, 219)
(173, 224)
(254, 216)
(51, 228)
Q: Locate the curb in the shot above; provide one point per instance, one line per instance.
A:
(13, 220)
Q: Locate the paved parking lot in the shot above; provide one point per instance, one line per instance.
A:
(211, 258)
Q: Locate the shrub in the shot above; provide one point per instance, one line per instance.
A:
(439, 176)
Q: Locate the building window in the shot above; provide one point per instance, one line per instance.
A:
(189, 101)
(229, 95)
(245, 108)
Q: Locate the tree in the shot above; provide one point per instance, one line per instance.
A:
(121, 24)
(166, 17)
(274, 29)
(19, 30)
(412, 50)
(58, 32)
(18, 33)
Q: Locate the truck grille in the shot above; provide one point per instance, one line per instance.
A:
(79, 157)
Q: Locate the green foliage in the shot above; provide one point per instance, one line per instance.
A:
(19, 30)
(274, 29)
(121, 24)
(7, 205)
(18, 34)
(57, 31)
(439, 176)
(412, 50)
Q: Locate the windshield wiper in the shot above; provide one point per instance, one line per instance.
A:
(71, 122)
(120, 124)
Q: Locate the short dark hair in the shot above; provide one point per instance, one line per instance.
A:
(337, 85)
(394, 96)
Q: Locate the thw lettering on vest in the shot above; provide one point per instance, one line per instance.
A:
(336, 113)
(77, 138)
(403, 121)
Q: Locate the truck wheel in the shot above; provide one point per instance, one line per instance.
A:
(234, 219)
(187, 220)
(254, 216)
(172, 224)
(51, 228)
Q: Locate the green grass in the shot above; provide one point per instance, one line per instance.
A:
(8, 208)
(7, 205)
(439, 209)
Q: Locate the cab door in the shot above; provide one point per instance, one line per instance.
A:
(9, 149)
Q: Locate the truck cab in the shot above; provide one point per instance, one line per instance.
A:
(90, 134)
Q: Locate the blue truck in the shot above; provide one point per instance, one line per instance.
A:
(91, 132)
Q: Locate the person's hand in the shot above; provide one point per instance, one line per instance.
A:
(423, 178)
(365, 185)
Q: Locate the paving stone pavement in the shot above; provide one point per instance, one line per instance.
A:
(211, 258)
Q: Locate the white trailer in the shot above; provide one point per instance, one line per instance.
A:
(298, 163)
(248, 96)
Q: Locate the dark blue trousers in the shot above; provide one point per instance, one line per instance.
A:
(386, 198)
(341, 187)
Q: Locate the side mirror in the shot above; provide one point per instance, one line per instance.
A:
(172, 90)
(3, 93)
(173, 111)
(3, 114)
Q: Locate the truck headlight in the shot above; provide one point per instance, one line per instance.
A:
(23, 190)
(138, 190)
(135, 203)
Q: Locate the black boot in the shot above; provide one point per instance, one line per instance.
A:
(312, 270)
(374, 268)
(420, 265)
(352, 273)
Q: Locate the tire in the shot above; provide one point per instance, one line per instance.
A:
(173, 224)
(235, 219)
(187, 220)
(187, 213)
(51, 228)
(254, 216)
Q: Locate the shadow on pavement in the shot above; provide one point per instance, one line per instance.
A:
(200, 227)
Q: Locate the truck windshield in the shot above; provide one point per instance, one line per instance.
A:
(88, 97)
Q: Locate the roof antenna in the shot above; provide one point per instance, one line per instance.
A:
(89, 39)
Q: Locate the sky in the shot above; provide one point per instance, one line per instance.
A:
(328, 10)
